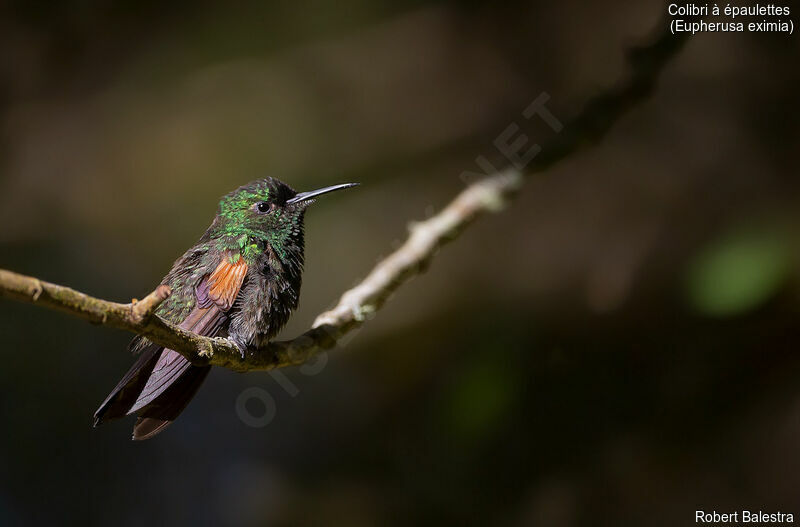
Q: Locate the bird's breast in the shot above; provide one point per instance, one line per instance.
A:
(264, 307)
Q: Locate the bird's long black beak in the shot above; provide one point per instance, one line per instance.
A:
(303, 196)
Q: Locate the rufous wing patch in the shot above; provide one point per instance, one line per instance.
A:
(226, 280)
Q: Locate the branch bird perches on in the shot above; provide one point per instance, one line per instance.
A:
(486, 195)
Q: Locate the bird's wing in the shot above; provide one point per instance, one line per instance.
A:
(226, 281)
(215, 295)
(158, 369)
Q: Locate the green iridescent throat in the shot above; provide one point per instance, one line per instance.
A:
(245, 232)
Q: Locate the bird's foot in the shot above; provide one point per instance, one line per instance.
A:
(240, 345)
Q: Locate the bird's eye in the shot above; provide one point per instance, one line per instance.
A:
(262, 206)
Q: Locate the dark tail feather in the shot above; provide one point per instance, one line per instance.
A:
(162, 382)
(157, 388)
(147, 427)
(127, 391)
(166, 407)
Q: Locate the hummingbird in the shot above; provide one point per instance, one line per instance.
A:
(241, 280)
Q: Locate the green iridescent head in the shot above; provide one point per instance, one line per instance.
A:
(264, 211)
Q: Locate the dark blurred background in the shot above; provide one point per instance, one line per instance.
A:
(617, 347)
